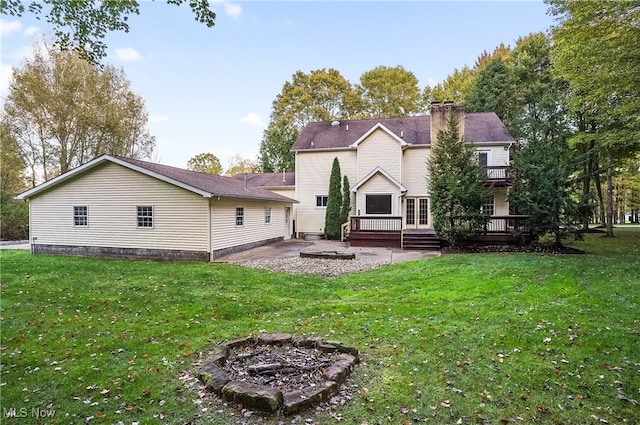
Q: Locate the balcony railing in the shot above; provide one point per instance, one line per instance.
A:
(499, 173)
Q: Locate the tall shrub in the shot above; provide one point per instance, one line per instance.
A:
(334, 203)
(346, 200)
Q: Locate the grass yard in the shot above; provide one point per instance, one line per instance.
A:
(460, 339)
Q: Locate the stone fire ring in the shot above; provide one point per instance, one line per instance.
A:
(271, 399)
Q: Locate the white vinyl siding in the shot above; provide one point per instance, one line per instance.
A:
(223, 215)
(414, 171)
(112, 193)
(377, 185)
(312, 179)
(501, 206)
(380, 150)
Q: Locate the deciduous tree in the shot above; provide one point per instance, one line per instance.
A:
(321, 95)
(596, 52)
(238, 165)
(63, 111)
(14, 214)
(205, 163)
(390, 92)
(12, 168)
(275, 148)
(82, 25)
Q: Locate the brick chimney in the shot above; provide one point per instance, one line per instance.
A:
(441, 112)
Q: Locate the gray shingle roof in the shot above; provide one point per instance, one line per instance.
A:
(483, 127)
(206, 185)
(268, 179)
(222, 186)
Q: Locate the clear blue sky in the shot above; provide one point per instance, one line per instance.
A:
(211, 89)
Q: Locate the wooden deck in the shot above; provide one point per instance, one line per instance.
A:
(388, 232)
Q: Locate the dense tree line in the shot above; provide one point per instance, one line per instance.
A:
(571, 98)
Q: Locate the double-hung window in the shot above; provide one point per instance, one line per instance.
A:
(80, 216)
(144, 216)
(239, 216)
(267, 215)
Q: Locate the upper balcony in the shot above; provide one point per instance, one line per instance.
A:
(498, 175)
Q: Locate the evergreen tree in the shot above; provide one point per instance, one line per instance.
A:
(456, 186)
(542, 188)
(334, 203)
(346, 200)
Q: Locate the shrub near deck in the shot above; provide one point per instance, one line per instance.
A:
(517, 338)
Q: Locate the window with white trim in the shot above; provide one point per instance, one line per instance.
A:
(80, 216)
(239, 216)
(267, 215)
(321, 201)
(144, 216)
(489, 206)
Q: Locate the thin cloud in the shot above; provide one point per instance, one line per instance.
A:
(253, 119)
(9, 27)
(127, 54)
(31, 30)
(232, 9)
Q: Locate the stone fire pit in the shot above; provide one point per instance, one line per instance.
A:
(281, 373)
(328, 255)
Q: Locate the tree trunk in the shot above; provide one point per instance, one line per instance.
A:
(601, 201)
(609, 193)
(586, 184)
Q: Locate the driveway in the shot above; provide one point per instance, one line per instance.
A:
(15, 245)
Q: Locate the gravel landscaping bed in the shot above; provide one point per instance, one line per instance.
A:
(322, 267)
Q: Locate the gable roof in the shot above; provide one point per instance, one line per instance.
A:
(378, 170)
(268, 179)
(207, 185)
(381, 127)
(479, 128)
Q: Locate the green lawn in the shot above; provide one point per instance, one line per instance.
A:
(479, 338)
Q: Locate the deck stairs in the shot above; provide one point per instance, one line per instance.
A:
(420, 239)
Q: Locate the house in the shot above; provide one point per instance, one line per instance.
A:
(386, 163)
(280, 183)
(120, 207)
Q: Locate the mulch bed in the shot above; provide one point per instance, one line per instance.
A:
(534, 247)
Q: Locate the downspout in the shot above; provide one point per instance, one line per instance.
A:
(210, 228)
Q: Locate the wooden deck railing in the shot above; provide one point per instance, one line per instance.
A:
(509, 224)
(376, 224)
